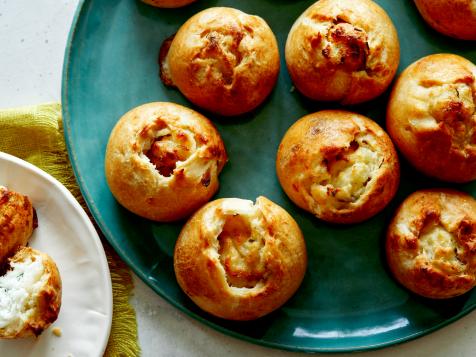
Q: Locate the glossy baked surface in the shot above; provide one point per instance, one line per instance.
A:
(348, 300)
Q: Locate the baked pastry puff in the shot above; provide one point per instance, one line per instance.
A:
(163, 161)
(431, 243)
(168, 3)
(31, 294)
(238, 260)
(431, 116)
(222, 60)
(342, 50)
(340, 166)
(17, 220)
(455, 18)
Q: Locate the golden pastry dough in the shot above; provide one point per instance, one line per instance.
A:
(431, 116)
(163, 161)
(238, 260)
(431, 243)
(455, 18)
(168, 3)
(223, 60)
(343, 50)
(338, 165)
(16, 222)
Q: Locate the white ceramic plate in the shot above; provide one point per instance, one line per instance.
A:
(67, 235)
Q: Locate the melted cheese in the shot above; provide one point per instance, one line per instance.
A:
(345, 179)
(437, 244)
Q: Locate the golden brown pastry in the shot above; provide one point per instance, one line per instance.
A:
(163, 161)
(338, 165)
(238, 260)
(168, 3)
(431, 116)
(16, 222)
(30, 297)
(223, 60)
(342, 50)
(431, 243)
(455, 18)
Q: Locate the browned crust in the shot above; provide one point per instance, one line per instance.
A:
(168, 3)
(16, 222)
(318, 136)
(48, 299)
(350, 58)
(134, 181)
(164, 73)
(224, 60)
(456, 18)
(202, 279)
(430, 277)
(436, 150)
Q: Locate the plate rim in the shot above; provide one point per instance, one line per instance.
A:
(79, 12)
(67, 195)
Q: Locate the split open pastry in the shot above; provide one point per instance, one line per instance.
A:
(431, 243)
(168, 3)
(342, 50)
(456, 18)
(431, 116)
(30, 284)
(240, 260)
(30, 294)
(222, 60)
(163, 161)
(338, 165)
(17, 220)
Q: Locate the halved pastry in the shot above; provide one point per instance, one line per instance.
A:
(30, 294)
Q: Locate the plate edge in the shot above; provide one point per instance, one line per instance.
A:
(98, 218)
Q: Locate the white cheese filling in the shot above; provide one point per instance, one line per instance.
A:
(19, 288)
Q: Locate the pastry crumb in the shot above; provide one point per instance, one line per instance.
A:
(56, 331)
(292, 89)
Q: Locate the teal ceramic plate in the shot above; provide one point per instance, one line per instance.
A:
(348, 300)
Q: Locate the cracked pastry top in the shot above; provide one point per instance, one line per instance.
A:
(431, 243)
(431, 116)
(168, 3)
(240, 260)
(17, 221)
(340, 166)
(342, 50)
(456, 18)
(163, 160)
(222, 60)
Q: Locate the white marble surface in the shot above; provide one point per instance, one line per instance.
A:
(32, 38)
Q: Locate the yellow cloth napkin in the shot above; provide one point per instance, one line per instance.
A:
(35, 134)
